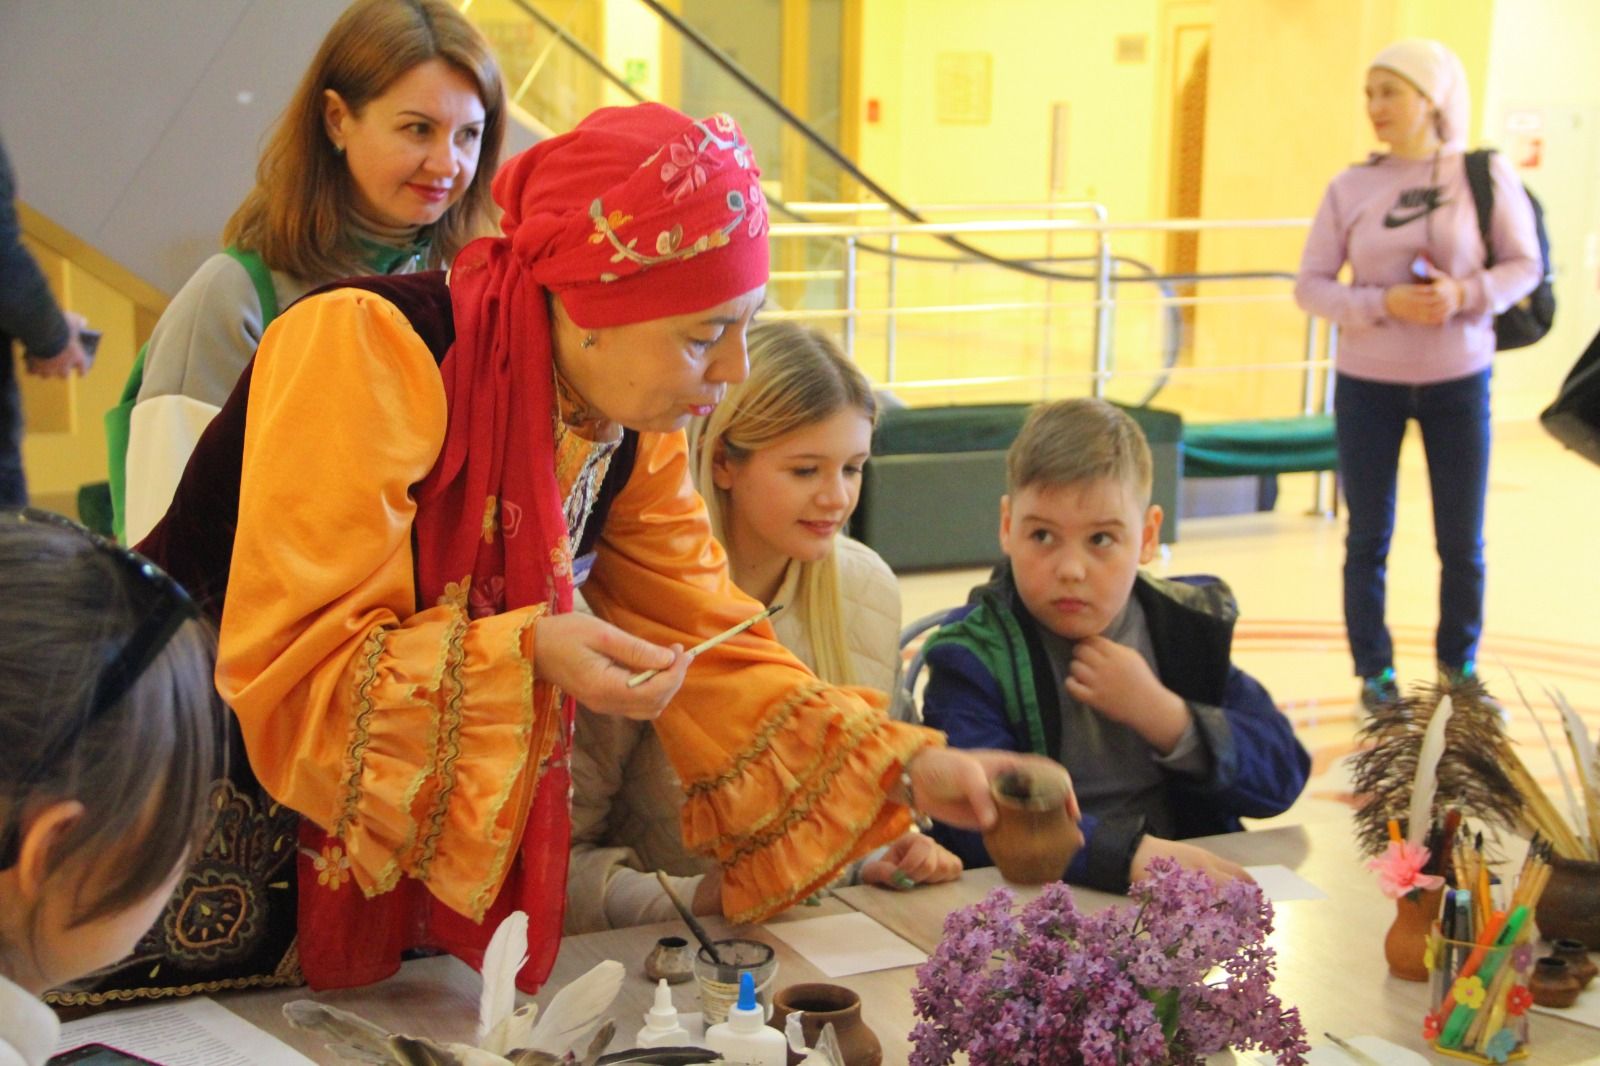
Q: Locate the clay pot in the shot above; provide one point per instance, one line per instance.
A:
(670, 960)
(1553, 984)
(1570, 906)
(1576, 954)
(1033, 839)
(1405, 944)
(826, 1004)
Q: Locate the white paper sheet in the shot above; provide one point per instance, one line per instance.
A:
(843, 944)
(1279, 883)
(192, 1032)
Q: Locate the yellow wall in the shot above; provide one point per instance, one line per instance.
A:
(1285, 114)
(1539, 64)
(65, 445)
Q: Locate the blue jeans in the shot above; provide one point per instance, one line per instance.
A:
(1370, 421)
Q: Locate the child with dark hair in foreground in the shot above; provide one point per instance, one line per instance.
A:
(110, 732)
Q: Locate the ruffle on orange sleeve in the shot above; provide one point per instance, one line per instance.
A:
(805, 798)
(440, 769)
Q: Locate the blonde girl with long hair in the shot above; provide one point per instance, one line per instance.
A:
(779, 464)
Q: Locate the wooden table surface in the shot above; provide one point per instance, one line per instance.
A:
(1330, 962)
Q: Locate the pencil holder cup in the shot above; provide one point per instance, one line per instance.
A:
(719, 981)
(1479, 1000)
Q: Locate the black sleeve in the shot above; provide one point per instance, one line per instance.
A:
(28, 311)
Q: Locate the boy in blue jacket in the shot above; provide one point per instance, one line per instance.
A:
(1125, 679)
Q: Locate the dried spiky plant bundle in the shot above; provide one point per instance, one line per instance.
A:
(1470, 776)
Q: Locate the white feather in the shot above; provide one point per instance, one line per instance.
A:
(513, 1030)
(1426, 783)
(577, 1008)
(507, 951)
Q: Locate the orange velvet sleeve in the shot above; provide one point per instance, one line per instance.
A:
(408, 734)
(785, 776)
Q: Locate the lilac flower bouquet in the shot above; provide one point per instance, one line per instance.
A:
(1051, 985)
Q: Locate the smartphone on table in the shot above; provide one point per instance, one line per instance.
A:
(97, 1055)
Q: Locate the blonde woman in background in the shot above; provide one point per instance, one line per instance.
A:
(779, 463)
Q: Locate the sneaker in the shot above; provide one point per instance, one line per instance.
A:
(1454, 677)
(1379, 691)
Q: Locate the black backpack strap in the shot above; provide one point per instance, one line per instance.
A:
(1482, 187)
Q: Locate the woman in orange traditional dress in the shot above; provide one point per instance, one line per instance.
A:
(428, 470)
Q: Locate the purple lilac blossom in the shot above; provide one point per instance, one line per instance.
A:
(1049, 984)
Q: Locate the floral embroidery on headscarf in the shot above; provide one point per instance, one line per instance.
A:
(757, 213)
(687, 166)
(455, 594)
(487, 597)
(488, 519)
(510, 518)
(561, 558)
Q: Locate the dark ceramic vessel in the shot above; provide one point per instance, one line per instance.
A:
(1553, 984)
(1569, 909)
(671, 959)
(1576, 954)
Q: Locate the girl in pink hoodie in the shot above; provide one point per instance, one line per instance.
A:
(1416, 341)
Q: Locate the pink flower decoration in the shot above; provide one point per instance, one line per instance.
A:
(756, 205)
(487, 597)
(686, 168)
(1400, 869)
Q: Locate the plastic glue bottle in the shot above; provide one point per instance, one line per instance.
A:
(745, 1037)
(661, 1028)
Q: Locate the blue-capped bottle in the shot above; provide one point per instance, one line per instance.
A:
(745, 1037)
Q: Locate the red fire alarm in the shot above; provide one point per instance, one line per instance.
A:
(872, 109)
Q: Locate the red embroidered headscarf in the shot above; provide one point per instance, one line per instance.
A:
(638, 213)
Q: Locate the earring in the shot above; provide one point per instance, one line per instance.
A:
(338, 149)
(588, 341)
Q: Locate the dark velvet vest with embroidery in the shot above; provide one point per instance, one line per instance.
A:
(232, 921)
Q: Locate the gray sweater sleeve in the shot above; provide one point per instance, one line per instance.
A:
(28, 310)
(206, 335)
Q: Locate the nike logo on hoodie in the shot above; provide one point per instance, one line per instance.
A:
(1412, 205)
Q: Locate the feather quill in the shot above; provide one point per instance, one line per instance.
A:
(1583, 753)
(512, 1031)
(1426, 782)
(1573, 809)
(577, 1008)
(507, 951)
(364, 1041)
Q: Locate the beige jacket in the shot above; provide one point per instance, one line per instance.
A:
(626, 795)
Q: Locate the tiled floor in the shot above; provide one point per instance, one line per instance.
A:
(1543, 609)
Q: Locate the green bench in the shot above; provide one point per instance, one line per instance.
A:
(1261, 447)
(931, 494)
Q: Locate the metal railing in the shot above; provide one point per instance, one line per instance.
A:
(842, 225)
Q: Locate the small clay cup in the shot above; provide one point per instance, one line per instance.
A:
(1570, 906)
(1034, 838)
(671, 960)
(1553, 983)
(1576, 952)
(825, 1004)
